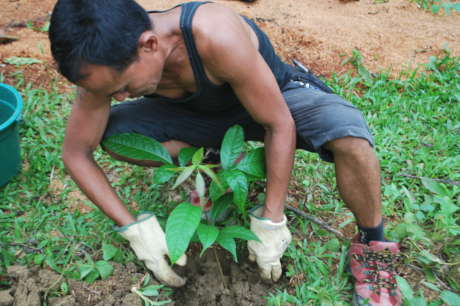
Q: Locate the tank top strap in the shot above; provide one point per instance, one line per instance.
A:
(187, 13)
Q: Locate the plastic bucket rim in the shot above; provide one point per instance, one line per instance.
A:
(17, 112)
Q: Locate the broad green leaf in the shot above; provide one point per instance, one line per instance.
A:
(232, 146)
(228, 243)
(85, 270)
(220, 206)
(104, 268)
(151, 290)
(20, 61)
(207, 235)
(253, 163)
(198, 157)
(185, 174)
(200, 185)
(163, 174)
(137, 146)
(108, 251)
(450, 298)
(240, 232)
(435, 187)
(185, 155)
(405, 288)
(180, 227)
(239, 185)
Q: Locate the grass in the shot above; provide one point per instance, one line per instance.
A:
(415, 119)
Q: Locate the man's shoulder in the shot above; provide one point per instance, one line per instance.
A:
(212, 18)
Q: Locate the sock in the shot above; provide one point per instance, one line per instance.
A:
(367, 234)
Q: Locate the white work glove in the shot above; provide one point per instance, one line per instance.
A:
(275, 238)
(148, 241)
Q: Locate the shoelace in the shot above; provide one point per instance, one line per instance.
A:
(383, 260)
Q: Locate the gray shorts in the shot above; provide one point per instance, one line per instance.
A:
(319, 117)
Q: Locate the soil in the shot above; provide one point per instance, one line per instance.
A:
(394, 34)
(391, 35)
(238, 284)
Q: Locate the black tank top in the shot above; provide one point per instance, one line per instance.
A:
(209, 97)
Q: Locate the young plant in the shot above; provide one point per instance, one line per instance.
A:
(229, 186)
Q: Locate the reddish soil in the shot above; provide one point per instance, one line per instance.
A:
(391, 35)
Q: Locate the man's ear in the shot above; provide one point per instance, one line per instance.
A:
(148, 42)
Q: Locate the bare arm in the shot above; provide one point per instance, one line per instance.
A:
(84, 132)
(231, 56)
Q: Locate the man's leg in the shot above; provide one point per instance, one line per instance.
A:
(333, 128)
(358, 178)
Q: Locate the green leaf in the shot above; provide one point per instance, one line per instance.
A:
(198, 157)
(220, 206)
(163, 174)
(200, 185)
(185, 174)
(185, 155)
(180, 227)
(228, 243)
(104, 268)
(20, 61)
(406, 290)
(207, 235)
(236, 231)
(232, 146)
(435, 187)
(151, 290)
(450, 298)
(239, 185)
(137, 146)
(253, 163)
(218, 186)
(430, 258)
(108, 251)
(92, 276)
(85, 270)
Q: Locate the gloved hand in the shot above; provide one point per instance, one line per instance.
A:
(148, 241)
(275, 238)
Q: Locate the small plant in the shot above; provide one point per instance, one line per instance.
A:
(435, 6)
(410, 299)
(144, 291)
(91, 270)
(21, 61)
(229, 186)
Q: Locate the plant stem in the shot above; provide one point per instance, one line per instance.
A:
(220, 269)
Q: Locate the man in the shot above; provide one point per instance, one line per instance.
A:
(197, 69)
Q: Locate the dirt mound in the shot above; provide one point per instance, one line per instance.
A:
(213, 279)
(389, 34)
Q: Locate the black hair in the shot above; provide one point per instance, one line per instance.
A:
(101, 32)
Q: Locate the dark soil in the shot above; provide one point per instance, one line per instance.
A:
(238, 284)
(215, 279)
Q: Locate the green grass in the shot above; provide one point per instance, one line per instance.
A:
(415, 118)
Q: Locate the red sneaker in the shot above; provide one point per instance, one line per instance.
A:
(373, 268)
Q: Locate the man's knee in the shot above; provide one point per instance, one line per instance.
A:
(354, 146)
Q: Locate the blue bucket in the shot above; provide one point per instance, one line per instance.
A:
(10, 114)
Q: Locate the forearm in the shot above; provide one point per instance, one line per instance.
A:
(279, 155)
(94, 184)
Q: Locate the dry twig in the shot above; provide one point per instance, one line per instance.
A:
(316, 221)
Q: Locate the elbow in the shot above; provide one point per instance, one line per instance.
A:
(72, 158)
